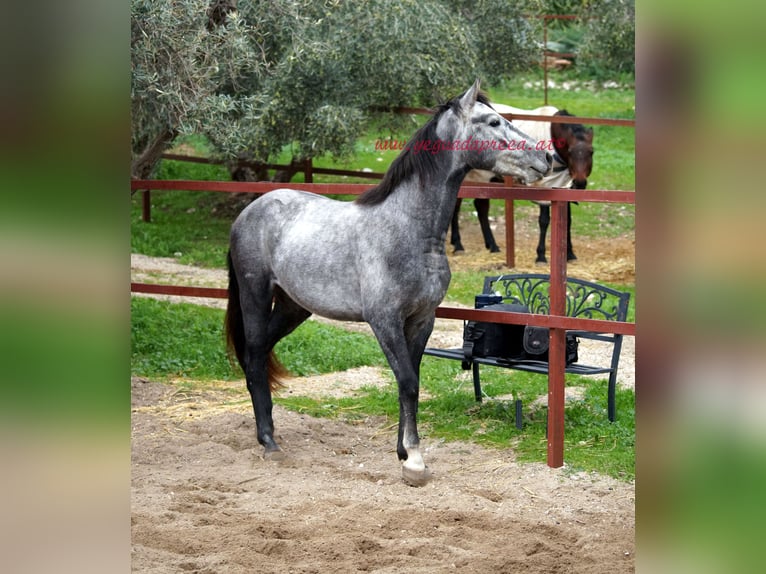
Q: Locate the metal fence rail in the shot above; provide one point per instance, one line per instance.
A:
(557, 321)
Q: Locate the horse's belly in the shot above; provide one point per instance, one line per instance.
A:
(318, 269)
(323, 297)
(321, 279)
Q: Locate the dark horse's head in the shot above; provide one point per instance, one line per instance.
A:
(574, 144)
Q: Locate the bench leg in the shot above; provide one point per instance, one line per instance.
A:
(611, 397)
(476, 382)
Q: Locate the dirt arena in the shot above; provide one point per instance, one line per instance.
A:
(204, 500)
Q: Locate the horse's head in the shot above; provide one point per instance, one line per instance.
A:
(574, 144)
(488, 141)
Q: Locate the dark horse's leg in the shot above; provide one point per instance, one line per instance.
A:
(455, 229)
(570, 253)
(482, 210)
(253, 328)
(285, 316)
(544, 219)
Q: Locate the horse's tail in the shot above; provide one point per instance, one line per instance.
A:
(234, 326)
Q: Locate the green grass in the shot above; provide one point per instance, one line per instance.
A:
(171, 340)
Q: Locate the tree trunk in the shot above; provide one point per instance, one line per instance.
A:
(285, 175)
(143, 165)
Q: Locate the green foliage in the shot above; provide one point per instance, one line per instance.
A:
(510, 43)
(609, 44)
(179, 65)
(358, 56)
(309, 75)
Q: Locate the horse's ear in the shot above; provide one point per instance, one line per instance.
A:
(589, 135)
(469, 98)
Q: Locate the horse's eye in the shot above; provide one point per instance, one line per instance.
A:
(494, 123)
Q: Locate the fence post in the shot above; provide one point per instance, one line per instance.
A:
(308, 171)
(557, 341)
(545, 59)
(510, 231)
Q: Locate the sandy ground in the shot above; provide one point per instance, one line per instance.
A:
(205, 501)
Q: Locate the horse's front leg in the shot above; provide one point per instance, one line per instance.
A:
(394, 345)
(482, 210)
(455, 229)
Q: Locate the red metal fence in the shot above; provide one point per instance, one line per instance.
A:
(557, 321)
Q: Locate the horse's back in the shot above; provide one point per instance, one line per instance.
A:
(537, 130)
(541, 111)
(284, 212)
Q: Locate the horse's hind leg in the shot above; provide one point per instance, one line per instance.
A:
(482, 210)
(544, 220)
(264, 326)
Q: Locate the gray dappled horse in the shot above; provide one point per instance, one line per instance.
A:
(572, 145)
(382, 260)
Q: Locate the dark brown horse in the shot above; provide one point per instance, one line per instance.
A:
(572, 164)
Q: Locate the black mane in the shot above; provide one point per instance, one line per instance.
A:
(408, 162)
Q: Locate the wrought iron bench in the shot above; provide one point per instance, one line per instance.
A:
(584, 299)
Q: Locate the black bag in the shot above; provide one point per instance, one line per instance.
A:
(482, 339)
(513, 343)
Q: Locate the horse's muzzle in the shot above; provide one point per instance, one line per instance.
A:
(579, 184)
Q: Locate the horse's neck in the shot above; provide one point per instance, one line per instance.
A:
(430, 203)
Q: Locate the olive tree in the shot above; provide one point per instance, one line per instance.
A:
(609, 43)
(186, 56)
(256, 77)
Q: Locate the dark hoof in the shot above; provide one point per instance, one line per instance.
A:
(571, 258)
(494, 249)
(276, 455)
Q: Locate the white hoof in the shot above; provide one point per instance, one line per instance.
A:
(416, 477)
